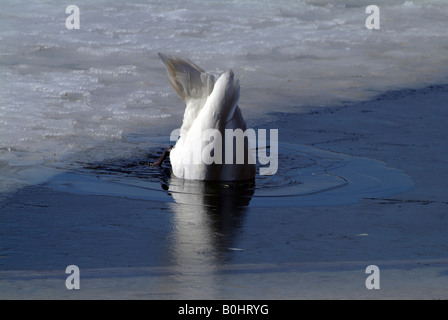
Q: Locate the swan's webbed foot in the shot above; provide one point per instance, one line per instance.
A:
(162, 158)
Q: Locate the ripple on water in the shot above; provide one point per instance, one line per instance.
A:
(306, 176)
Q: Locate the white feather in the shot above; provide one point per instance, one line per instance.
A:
(209, 104)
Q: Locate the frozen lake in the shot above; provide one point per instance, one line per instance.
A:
(362, 151)
(88, 94)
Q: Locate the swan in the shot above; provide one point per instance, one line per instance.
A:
(210, 103)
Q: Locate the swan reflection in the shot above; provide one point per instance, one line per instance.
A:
(207, 216)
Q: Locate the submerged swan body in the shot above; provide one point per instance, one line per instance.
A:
(209, 104)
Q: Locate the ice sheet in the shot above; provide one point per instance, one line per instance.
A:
(81, 95)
